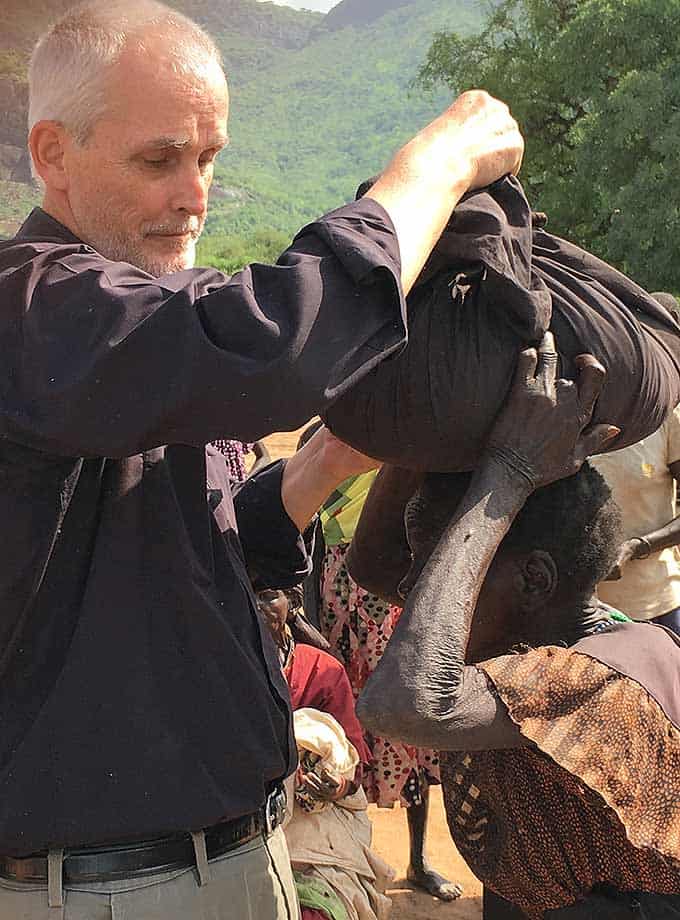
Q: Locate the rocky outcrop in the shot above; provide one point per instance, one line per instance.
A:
(10, 157)
(13, 112)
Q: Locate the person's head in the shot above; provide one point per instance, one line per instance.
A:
(275, 609)
(561, 545)
(128, 108)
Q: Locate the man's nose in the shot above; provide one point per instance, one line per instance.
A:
(191, 192)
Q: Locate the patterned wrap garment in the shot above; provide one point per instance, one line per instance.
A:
(595, 799)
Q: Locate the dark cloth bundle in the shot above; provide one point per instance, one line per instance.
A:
(495, 282)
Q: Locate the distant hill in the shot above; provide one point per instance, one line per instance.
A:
(360, 12)
(318, 102)
(305, 131)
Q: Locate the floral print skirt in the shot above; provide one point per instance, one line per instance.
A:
(358, 626)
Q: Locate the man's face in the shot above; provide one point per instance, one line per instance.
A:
(138, 187)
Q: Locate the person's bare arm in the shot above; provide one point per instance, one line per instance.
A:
(314, 471)
(420, 692)
(472, 144)
(654, 542)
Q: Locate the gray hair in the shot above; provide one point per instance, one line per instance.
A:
(71, 61)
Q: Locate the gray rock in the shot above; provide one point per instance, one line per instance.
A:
(10, 158)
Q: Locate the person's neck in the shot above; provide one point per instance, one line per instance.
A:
(60, 210)
(575, 620)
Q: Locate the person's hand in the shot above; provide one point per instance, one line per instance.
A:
(487, 135)
(543, 432)
(339, 460)
(323, 788)
(312, 473)
(629, 549)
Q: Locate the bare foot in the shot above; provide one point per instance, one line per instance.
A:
(433, 883)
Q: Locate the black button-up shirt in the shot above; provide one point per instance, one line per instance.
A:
(138, 694)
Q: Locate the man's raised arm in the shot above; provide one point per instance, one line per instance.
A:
(472, 144)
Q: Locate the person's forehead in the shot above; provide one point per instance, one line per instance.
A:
(172, 107)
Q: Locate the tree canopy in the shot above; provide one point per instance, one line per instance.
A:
(595, 85)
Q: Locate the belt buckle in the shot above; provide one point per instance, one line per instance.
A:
(275, 809)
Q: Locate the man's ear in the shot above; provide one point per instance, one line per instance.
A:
(47, 143)
(535, 579)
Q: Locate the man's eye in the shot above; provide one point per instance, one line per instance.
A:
(156, 164)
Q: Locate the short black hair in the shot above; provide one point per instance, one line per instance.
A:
(576, 520)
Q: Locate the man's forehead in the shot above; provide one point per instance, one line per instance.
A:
(173, 106)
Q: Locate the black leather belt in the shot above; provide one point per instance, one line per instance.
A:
(148, 857)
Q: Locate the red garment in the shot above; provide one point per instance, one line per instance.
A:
(309, 914)
(318, 681)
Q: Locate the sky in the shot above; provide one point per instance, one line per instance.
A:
(322, 6)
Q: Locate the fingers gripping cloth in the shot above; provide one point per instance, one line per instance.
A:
(496, 281)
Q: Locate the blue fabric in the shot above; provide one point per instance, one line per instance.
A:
(670, 620)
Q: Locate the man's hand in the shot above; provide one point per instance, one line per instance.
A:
(339, 460)
(629, 549)
(543, 433)
(473, 143)
(485, 135)
(315, 470)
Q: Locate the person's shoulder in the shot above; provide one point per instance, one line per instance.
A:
(311, 655)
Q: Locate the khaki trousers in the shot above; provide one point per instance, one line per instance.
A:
(254, 882)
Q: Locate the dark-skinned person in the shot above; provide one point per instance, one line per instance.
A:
(129, 628)
(644, 582)
(337, 875)
(559, 727)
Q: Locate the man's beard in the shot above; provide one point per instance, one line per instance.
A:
(118, 247)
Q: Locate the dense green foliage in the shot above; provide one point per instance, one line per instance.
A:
(230, 252)
(595, 85)
(308, 129)
(316, 107)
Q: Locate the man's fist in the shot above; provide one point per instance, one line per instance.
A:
(488, 135)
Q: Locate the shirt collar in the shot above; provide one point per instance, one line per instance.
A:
(40, 226)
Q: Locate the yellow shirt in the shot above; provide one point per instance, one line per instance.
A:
(644, 489)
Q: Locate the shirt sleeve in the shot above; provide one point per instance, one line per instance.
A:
(277, 555)
(107, 361)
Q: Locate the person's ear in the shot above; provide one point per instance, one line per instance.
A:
(535, 579)
(47, 143)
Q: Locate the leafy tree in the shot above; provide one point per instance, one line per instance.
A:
(595, 85)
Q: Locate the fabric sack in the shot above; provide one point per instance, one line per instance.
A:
(496, 282)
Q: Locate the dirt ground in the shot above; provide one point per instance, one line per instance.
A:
(390, 829)
(390, 840)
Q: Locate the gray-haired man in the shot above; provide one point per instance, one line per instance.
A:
(146, 727)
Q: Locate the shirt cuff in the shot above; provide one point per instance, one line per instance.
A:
(362, 237)
(277, 554)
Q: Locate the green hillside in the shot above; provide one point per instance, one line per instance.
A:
(307, 130)
(358, 12)
(316, 105)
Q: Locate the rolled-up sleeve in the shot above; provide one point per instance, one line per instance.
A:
(277, 554)
(110, 362)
